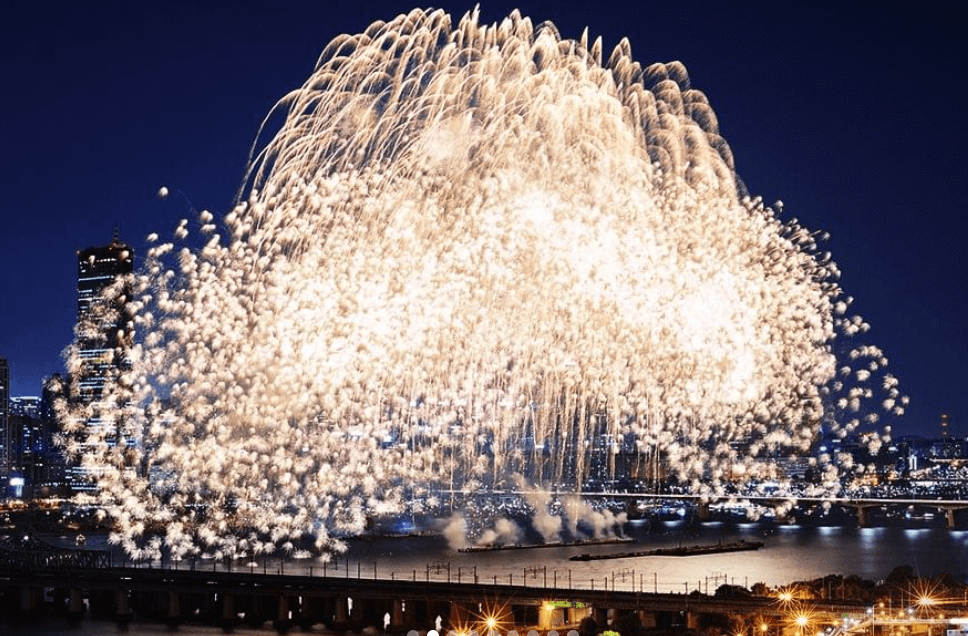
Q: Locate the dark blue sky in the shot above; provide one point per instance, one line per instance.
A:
(852, 117)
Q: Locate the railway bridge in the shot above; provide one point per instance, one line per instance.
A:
(83, 582)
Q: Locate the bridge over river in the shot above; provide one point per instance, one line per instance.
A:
(861, 506)
(83, 582)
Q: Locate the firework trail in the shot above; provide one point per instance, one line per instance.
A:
(470, 253)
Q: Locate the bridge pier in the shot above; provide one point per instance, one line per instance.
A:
(173, 614)
(283, 615)
(200, 605)
(398, 621)
(255, 613)
(348, 613)
(950, 516)
(666, 619)
(308, 612)
(600, 615)
(648, 619)
(228, 618)
(408, 614)
(861, 512)
(30, 599)
(692, 620)
(323, 610)
(122, 607)
(356, 610)
(341, 612)
(75, 604)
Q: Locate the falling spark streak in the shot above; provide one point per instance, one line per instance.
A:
(466, 249)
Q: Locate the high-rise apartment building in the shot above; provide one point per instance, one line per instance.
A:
(51, 471)
(26, 405)
(28, 443)
(103, 337)
(5, 438)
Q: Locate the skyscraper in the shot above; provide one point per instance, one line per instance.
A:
(27, 443)
(51, 476)
(5, 440)
(102, 336)
(28, 405)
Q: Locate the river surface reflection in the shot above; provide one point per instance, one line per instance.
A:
(790, 553)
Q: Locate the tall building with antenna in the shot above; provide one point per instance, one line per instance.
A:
(103, 338)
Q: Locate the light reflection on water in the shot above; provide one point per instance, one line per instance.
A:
(791, 552)
(869, 537)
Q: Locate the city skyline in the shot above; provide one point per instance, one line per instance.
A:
(113, 103)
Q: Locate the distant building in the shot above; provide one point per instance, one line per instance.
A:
(26, 405)
(5, 437)
(103, 336)
(50, 469)
(33, 456)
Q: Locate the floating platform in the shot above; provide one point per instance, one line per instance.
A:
(682, 550)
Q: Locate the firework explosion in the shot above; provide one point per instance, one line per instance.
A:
(469, 255)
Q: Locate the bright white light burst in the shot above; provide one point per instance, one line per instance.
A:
(468, 252)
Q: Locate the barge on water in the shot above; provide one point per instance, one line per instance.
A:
(554, 544)
(682, 550)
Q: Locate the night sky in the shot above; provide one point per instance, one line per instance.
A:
(852, 118)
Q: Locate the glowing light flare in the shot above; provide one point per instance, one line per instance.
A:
(801, 617)
(460, 247)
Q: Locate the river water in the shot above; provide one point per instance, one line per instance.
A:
(790, 553)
